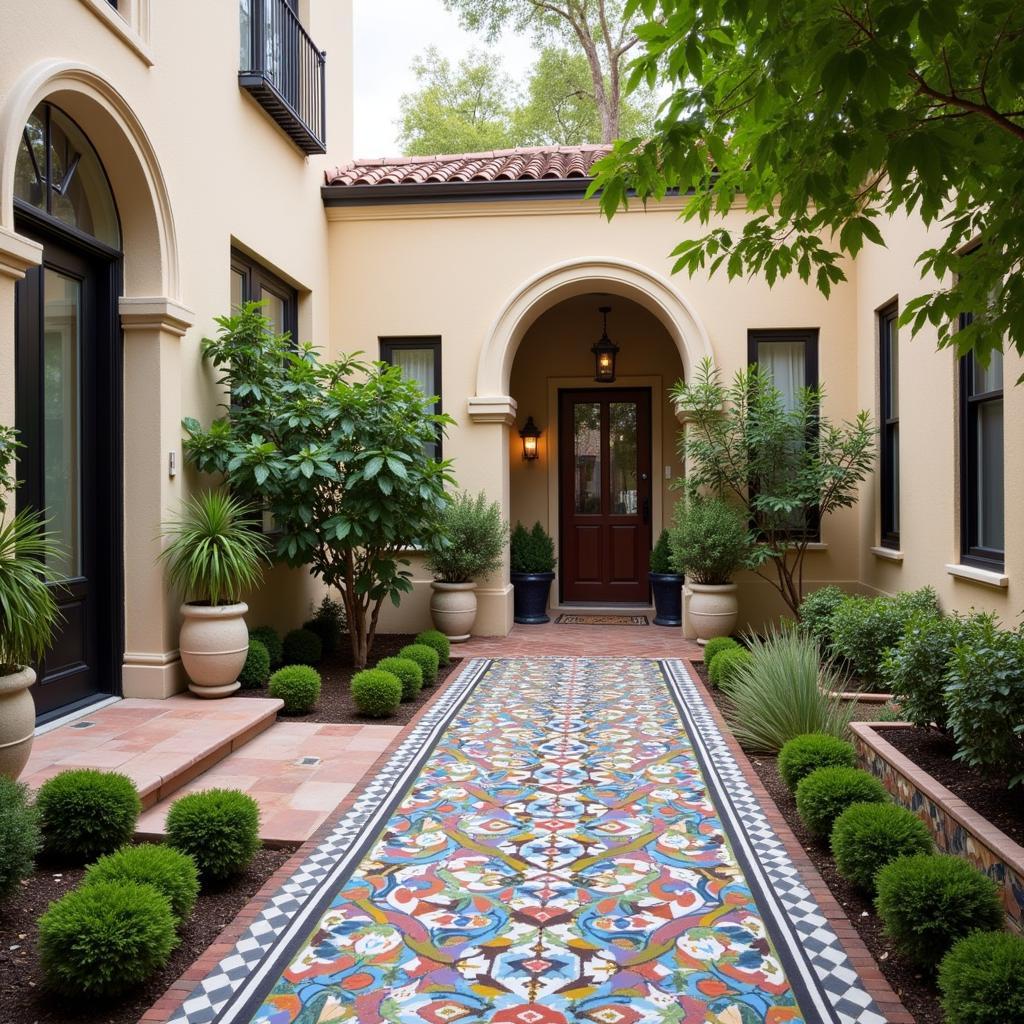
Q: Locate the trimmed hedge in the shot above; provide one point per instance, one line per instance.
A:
(169, 871)
(298, 686)
(218, 828)
(271, 639)
(19, 835)
(982, 979)
(866, 837)
(409, 673)
(377, 693)
(256, 670)
(716, 645)
(724, 665)
(436, 639)
(424, 656)
(805, 754)
(302, 647)
(824, 794)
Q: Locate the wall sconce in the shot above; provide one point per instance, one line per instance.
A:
(530, 435)
(605, 352)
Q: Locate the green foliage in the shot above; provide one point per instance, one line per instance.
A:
(271, 639)
(469, 541)
(866, 837)
(424, 656)
(824, 794)
(804, 754)
(710, 540)
(105, 939)
(328, 623)
(776, 695)
(298, 686)
(928, 901)
(335, 452)
(982, 979)
(725, 665)
(816, 611)
(173, 874)
(216, 551)
(661, 553)
(718, 644)
(409, 673)
(19, 834)
(84, 813)
(256, 670)
(302, 647)
(824, 124)
(218, 828)
(985, 699)
(436, 639)
(377, 693)
(531, 550)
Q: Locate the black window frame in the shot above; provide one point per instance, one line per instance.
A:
(257, 278)
(389, 345)
(888, 429)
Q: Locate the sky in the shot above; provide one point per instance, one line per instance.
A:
(388, 35)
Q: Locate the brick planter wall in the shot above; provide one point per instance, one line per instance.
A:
(955, 827)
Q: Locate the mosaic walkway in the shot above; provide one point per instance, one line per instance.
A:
(559, 840)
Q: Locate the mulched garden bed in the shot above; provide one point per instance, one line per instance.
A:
(23, 997)
(336, 671)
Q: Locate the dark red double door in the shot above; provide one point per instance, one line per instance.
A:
(605, 488)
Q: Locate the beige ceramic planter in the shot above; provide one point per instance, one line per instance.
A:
(17, 721)
(214, 643)
(453, 609)
(712, 610)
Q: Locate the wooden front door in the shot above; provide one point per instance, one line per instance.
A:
(605, 477)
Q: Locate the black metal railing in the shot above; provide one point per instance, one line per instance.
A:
(283, 69)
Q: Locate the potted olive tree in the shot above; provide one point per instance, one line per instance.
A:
(710, 541)
(28, 615)
(467, 546)
(532, 556)
(666, 585)
(216, 552)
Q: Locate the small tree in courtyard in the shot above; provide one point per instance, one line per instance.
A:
(786, 468)
(335, 452)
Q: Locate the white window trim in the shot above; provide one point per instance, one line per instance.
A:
(889, 553)
(130, 21)
(976, 575)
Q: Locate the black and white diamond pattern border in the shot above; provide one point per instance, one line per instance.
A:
(811, 936)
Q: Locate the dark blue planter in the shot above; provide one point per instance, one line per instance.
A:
(668, 598)
(530, 597)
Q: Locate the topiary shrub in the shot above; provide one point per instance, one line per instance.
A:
(298, 686)
(717, 645)
(302, 647)
(816, 611)
(256, 670)
(271, 639)
(824, 794)
(725, 664)
(805, 754)
(425, 657)
(929, 901)
(19, 835)
(866, 837)
(982, 979)
(171, 872)
(661, 556)
(409, 674)
(436, 639)
(218, 828)
(377, 693)
(105, 939)
(84, 813)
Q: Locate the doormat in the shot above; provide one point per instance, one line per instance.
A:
(602, 620)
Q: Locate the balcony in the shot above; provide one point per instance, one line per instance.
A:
(283, 70)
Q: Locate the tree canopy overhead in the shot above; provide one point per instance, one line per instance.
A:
(827, 114)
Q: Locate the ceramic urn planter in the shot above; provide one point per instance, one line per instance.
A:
(712, 610)
(17, 721)
(453, 609)
(214, 643)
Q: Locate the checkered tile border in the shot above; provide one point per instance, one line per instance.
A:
(211, 997)
(812, 938)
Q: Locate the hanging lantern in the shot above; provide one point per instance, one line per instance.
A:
(605, 352)
(530, 435)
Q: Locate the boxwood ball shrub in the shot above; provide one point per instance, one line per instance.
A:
(982, 979)
(424, 656)
(302, 647)
(824, 794)
(409, 674)
(19, 835)
(298, 686)
(271, 639)
(256, 670)
(84, 813)
(866, 837)
(929, 901)
(105, 939)
(805, 754)
(218, 828)
(725, 664)
(436, 639)
(716, 645)
(377, 693)
(171, 872)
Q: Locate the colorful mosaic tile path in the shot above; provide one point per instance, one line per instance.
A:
(566, 840)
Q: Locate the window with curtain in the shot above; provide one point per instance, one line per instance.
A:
(420, 360)
(889, 424)
(252, 282)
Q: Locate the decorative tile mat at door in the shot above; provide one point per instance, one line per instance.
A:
(602, 620)
(560, 849)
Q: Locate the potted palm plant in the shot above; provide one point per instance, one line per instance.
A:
(710, 541)
(28, 615)
(532, 556)
(666, 585)
(216, 553)
(467, 546)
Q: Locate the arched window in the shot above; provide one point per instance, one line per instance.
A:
(59, 173)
